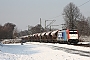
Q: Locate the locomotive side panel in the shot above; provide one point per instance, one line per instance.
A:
(62, 36)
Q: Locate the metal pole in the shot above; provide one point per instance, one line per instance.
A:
(40, 30)
(52, 21)
(45, 24)
(63, 26)
(50, 28)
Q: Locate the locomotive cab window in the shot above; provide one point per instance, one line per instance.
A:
(72, 32)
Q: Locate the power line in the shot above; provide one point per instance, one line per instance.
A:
(55, 17)
(84, 3)
(78, 6)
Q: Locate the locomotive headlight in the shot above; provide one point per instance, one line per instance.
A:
(73, 36)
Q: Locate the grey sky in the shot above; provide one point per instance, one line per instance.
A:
(28, 12)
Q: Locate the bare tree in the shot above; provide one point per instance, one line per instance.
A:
(88, 20)
(71, 14)
(15, 32)
(6, 31)
(9, 28)
(37, 29)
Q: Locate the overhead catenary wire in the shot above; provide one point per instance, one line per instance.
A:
(78, 6)
(84, 3)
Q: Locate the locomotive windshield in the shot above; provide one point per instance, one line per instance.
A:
(72, 32)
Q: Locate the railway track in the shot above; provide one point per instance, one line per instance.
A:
(84, 45)
(72, 51)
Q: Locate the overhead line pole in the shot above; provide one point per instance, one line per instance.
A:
(49, 24)
(40, 29)
(52, 25)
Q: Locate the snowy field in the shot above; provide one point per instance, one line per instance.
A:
(43, 51)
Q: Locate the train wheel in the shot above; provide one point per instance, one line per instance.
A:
(69, 43)
(76, 43)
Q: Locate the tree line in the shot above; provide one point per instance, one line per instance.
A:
(73, 18)
(6, 31)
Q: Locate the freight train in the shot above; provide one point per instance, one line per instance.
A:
(58, 36)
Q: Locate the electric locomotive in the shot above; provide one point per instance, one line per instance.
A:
(69, 36)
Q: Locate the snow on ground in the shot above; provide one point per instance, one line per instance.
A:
(43, 51)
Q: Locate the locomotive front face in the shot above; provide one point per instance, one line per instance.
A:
(73, 34)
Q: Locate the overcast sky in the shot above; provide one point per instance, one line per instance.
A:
(28, 12)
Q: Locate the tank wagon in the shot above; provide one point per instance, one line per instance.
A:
(58, 36)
